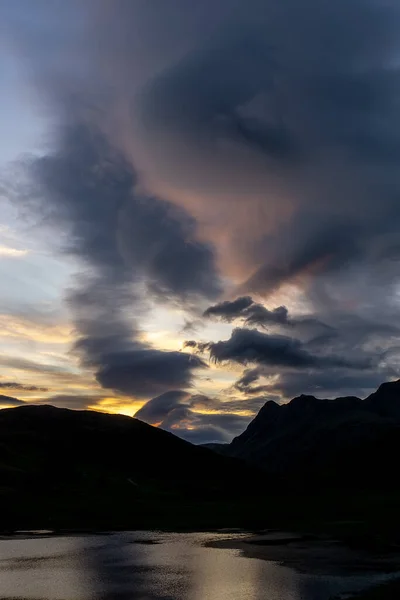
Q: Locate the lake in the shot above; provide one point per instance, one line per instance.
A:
(152, 565)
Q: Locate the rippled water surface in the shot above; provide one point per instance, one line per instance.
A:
(150, 565)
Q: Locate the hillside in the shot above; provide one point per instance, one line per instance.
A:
(65, 468)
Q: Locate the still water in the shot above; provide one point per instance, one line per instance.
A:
(151, 565)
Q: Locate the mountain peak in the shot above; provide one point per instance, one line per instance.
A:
(390, 386)
(344, 441)
(386, 400)
(303, 400)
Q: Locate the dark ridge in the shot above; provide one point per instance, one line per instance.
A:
(345, 443)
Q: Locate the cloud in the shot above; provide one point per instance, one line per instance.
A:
(34, 326)
(132, 246)
(146, 371)
(127, 241)
(157, 409)
(46, 374)
(228, 148)
(198, 418)
(201, 428)
(229, 310)
(9, 402)
(200, 347)
(247, 380)
(256, 314)
(251, 346)
(249, 405)
(24, 364)
(72, 401)
(190, 344)
(7, 251)
(13, 385)
(326, 334)
(329, 384)
(260, 147)
(292, 114)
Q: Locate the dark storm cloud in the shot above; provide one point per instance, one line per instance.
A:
(229, 310)
(358, 340)
(200, 347)
(327, 383)
(246, 383)
(372, 335)
(256, 314)
(190, 344)
(146, 371)
(89, 186)
(248, 377)
(14, 385)
(248, 346)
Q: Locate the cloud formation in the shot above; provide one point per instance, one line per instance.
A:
(229, 310)
(198, 418)
(157, 409)
(10, 402)
(14, 385)
(256, 314)
(252, 346)
(72, 401)
(228, 148)
(299, 113)
(327, 335)
(127, 241)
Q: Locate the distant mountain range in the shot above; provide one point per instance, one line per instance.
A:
(346, 442)
(64, 468)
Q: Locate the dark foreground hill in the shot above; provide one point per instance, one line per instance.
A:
(347, 443)
(80, 468)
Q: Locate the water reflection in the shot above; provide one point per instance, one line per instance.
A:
(224, 574)
(149, 566)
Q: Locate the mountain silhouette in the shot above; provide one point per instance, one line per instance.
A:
(346, 442)
(83, 469)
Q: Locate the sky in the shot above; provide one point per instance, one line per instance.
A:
(199, 205)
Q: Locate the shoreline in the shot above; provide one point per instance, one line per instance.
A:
(315, 554)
